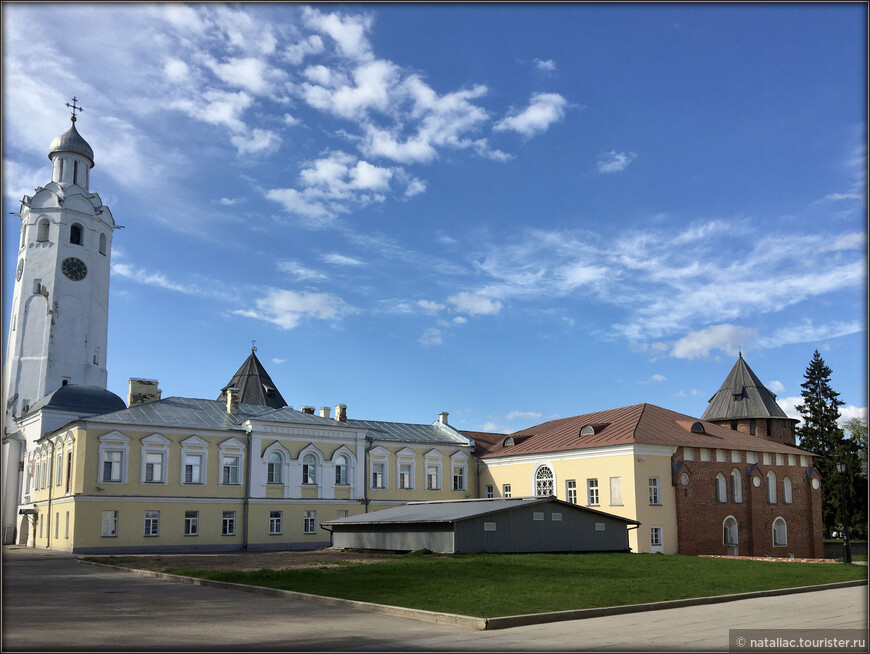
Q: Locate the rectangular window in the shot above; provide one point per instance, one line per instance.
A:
(230, 471)
(459, 478)
(152, 523)
(705, 454)
(193, 469)
(405, 475)
(310, 525)
(58, 466)
(228, 523)
(571, 491)
(592, 492)
(489, 492)
(688, 454)
(780, 460)
(751, 457)
(506, 490)
(109, 525)
(735, 456)
(538, 515)
(57, 525)
(112, 461)
(41, 525)
(752, 427)
(489, 526)
(655, 536)
(599, 526)
(154, 467)
(556, 517)
(377, 475)
(792, 460)
(68, 471)
(720, 456)
(191, 523)
(616, 491)
(66, 528)
(342, 513)
(275, 519)
(433, 477)
(654, 491)
(765, 458)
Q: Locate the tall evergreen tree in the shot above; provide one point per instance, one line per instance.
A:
(821, 435)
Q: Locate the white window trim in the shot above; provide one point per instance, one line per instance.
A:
(506, 490)
(534, 484)
(114, 441)
(195, 445)
(379, 456)
(155, 533)
(660, 547)
(286, 458)
(351, 467)
(154, 444)
(459, 460)
(434, 459)
(406, 457)
(771, 487)
(280, 519)
(658, 487)
(736, 486)
(305, 519)
(721, 490)
(589, 488)
(787, 489)
(115, 518)
(318, 466)
(223, 521)
(773, 532)
(195, 521)
(735, 533)
(232, 447)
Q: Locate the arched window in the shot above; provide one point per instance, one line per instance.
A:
(75, 234)
(341, 470)
(721, 488)
(309, 469)
(102, 244)
(544, 482)
(780, 533)
(75, 172)
(736, 486)
(729, 531)
(274, 464)
(42, 231)
(786, 490)
(771, 487)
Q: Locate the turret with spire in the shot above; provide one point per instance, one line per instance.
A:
(744, 404)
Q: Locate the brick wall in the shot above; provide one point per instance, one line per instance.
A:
(700, 515)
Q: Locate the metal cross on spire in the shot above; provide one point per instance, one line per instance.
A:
(253, 346)
(74, 108)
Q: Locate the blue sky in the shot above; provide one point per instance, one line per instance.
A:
(507, 212)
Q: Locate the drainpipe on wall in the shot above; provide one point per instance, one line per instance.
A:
(51, 474)
(249, 443)
(366, 474)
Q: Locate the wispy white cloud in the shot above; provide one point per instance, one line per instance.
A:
(807, 332)
(544, 109)
(614, 162)
(432, 336)
(775, 386)
(300, 271)
(336, 259)
(653, 379)
(278, 362)
(727, 338)
(547, 65)
(287, 309)
(522, 415)
(430, 306)
(475, 305)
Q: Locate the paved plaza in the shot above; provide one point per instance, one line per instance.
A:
(51, 602)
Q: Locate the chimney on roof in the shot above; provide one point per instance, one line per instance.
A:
(233, 400)
(142, 391)
(308, 409)
(324, 411)
(442, 417)
(341, 412)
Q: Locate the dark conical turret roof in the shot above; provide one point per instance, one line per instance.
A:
(742, 395)
(254, 384)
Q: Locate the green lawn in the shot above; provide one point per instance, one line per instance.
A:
(491, 585)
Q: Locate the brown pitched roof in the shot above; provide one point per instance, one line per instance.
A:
(638, 424)
(255, 385)
(484, 441)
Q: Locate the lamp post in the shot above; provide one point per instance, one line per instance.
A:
(847, 551)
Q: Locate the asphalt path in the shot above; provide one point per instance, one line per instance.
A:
(51, 602)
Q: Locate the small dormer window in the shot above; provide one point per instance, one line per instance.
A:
(588, 430)
(698, 428)
(508, 441)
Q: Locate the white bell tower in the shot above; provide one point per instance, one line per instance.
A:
(59, 321)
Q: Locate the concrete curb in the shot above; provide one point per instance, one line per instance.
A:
(480, 624)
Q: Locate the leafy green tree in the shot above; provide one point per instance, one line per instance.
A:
(822, 435)
(857, 429)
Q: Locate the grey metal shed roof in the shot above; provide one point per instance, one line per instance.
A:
(742, 395)
(408, 432)
(455, 511)
(187, 412)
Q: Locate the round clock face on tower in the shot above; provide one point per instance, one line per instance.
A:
(74, 269)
